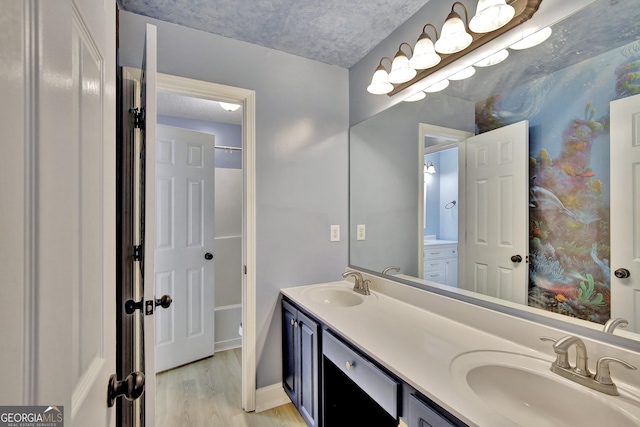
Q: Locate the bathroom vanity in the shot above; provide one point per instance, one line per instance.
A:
(403, 356)
(354, 388)
(441, 261)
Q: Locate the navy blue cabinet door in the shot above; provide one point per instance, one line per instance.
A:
(289, 351)
(309, 369)
(300, 369)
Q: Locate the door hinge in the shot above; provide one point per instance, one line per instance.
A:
(137, 253)
(245, 269)
(138, 117)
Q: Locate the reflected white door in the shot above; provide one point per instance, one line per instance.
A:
(625, 209)
(497, 213)
(184, 245)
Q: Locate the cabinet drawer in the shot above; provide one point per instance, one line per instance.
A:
(372, 380)
(436, 264)
(435, 253)
(435, 276)
(421, 415)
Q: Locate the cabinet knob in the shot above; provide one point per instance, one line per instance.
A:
(349, 365)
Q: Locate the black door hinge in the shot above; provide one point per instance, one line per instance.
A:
(138, 117)
(137, 253)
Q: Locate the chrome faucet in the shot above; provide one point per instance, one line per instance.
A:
(601, 381)
(611, 324)
(392, 268)
(361, 285)
(562, 346)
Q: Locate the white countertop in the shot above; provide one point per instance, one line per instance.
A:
(416, 344)
(413, 343)
(428, 242)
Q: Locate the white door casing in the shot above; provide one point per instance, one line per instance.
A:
(625, 209)
(149, 106)
(63, 80)
(497, 213)
(185, 171)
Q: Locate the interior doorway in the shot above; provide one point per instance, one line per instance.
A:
(237, 158)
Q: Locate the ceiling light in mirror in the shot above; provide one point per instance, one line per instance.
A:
(437, 87)
(532, 40)
(491, 15)
(454, 37)
(401, 71)
(424, 54)
(229, 107)
(416, 97)
(465, 73)
(380, 84)
(494, 59)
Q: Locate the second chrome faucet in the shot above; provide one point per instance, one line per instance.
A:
(600, 381)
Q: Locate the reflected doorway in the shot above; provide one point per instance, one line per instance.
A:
(441, 208)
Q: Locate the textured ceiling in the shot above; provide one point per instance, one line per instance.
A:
(336, 32)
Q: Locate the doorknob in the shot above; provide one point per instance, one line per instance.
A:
(622, 273)
(208, 256)
(131, 387)
(516, 258)
(165, 301)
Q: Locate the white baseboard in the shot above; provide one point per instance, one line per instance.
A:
(228, 344)
(270, 397)
(226, 323)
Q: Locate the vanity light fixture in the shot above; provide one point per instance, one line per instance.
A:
(457, 38)
(424, 54)
(494, 59)
(491, 15)
(380, 84)
(429, 167)
(401, 71)
(229, 107)
(465, 73)
(454, 36)
(532, 40)
(437, 87)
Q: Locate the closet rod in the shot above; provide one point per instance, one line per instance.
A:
(226, 147)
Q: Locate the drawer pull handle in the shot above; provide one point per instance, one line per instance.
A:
(350, 365)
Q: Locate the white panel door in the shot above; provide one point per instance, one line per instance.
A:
(497, 213)
(625, 210)
(58, 99)
(184, 268)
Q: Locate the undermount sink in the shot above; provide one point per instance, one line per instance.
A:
(336, 296)
(523, 390)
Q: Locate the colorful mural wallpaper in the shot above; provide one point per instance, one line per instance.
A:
(568, 113)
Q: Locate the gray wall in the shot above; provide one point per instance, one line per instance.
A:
(362, 104)
(301, 158)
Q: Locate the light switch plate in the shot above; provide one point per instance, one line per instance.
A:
(335, 233)
(361, 232)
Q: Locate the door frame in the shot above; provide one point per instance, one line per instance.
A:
(451, 138)
(247, 98)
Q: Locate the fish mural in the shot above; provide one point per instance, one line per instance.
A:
(569, 207)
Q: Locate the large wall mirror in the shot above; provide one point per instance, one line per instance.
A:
(539, 235)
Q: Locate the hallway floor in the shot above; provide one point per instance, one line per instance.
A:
(207, 394)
